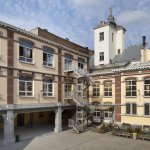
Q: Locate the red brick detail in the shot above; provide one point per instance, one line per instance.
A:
(118, 98)
(10, 60)
(52, 37)
(59, 77)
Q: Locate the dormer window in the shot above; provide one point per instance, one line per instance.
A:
(101, 36)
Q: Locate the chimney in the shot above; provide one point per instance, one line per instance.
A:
(144, 42)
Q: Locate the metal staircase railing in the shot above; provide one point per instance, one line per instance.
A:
(83, 111)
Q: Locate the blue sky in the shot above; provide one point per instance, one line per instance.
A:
(75, 19)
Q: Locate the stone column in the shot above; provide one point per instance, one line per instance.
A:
(58, 118)
(9, 136)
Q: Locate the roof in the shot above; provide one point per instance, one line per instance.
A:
(134, 66)
(57, 39)
(120, 62)
(32, 35)
(132, 53)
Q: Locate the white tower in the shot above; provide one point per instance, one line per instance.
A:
(109, 40)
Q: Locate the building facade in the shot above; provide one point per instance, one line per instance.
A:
(121, 76)
(34, 87)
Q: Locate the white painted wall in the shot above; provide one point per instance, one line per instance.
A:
(112, 44)
(101, 46)
(109, 47)
(120, 40)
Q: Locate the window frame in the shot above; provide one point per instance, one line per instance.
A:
(101, 56)
(107, 89)
(67, 63)
(46, 63)
(96, 86)
(145, 86)
(148, 109)
(101, 36)
(67, 92)
(48, 92)
(25, 58)
(110, 114)
(131, 109)
(26, 82)
(130, 86)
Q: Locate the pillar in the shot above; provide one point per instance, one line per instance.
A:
(8, 131)
(58, 118)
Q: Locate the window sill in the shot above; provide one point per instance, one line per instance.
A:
(48, 97)
(130, 96)
(30, 63)
(107, 96)
(96, 96)
(133, 115)
(26, 97)
(146, 116)
(146, 96)
(48, 67)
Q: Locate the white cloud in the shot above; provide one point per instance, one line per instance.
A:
(133, 17)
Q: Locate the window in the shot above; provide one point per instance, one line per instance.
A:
(68, 61)
(130, 87)
(112, 37)
(118, 51)
(108, 114)
(101, 56)
(25, 51)
(96, 90)
(67, 90)
(131, 108)
(1, 33)
(47, 87)
(25, 86)
(47, 57)
(147, 109)
(101, 36)
(81, 63)
(107, 88)
(80, 90)
(147, 87)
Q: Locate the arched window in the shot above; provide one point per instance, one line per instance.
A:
(81, 62)
(67, 61)
(48, 56)
(25, 85)
(25, 50)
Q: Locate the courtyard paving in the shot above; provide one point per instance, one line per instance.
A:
(68, 140)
